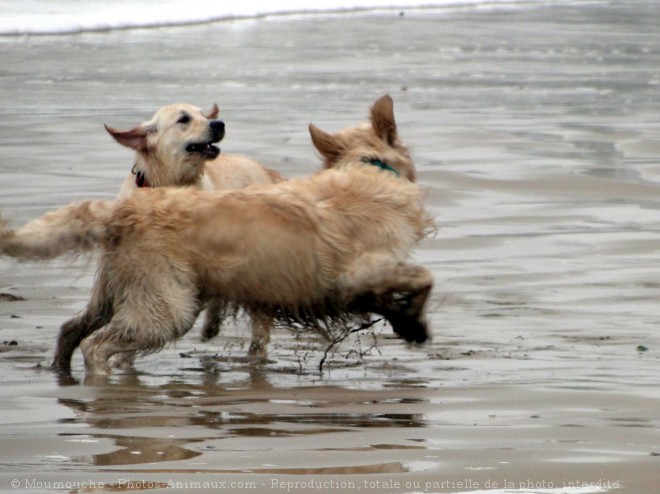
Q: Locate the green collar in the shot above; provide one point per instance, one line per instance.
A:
(382, 165)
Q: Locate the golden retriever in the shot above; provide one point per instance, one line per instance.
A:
(310, 250)
(176, 148)
(171, 150)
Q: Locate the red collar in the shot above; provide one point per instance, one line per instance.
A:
(141, 179)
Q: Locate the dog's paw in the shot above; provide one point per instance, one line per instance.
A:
(411, 329)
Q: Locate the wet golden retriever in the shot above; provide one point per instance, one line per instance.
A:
(170, 151)
(310, 250)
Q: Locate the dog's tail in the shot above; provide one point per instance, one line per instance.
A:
(74, 229)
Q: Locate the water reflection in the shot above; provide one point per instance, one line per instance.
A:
(177, 421)
(136, 450)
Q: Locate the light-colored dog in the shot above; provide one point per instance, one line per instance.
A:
(317, 249)
(169, 153)
(173, 149)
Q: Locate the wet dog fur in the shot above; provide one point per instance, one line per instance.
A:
(172, 150)
(326, 247)
(162, 159)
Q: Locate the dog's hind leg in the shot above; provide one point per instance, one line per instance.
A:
(398, 292)
(117, 344)
(100, 348)
(145, 320)
(123, 360)
(215, 313)
(97, 314)
(72, 333)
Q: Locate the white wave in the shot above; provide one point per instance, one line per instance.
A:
(62, 17)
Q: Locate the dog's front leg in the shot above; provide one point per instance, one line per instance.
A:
(261, 325)
(398, 292)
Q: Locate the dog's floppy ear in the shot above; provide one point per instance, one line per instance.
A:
(136, 138)
(213, 112)
(382, 119)
(328, 145)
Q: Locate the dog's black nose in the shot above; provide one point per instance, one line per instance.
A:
(218, 129)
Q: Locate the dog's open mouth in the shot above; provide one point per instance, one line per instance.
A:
(205, 149)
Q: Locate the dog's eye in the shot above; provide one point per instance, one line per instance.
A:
(183, 119)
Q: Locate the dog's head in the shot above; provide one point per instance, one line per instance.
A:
(177, 140)
(373, 144)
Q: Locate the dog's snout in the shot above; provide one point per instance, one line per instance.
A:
(218, 129)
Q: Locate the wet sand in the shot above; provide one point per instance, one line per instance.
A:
(535, 130)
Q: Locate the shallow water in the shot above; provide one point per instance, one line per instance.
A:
(535, 131)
